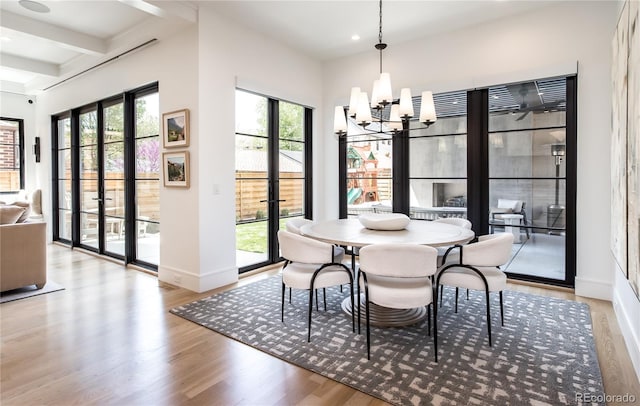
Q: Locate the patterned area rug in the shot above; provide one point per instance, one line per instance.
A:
(544, 355)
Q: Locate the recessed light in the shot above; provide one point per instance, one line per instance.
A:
(454, 102)
(355, 37)
(495, 96)
(34, 6)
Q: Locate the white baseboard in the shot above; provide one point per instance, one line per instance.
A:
(217, 278)
(627, 309)
(596, 289)
(197, 282)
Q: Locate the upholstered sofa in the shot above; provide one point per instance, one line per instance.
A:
(23, 247)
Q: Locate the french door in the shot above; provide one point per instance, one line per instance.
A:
(273, 183)
(106, 177)
(101, 188)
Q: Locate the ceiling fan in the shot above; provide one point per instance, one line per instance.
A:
(542, 107)
(530, 99)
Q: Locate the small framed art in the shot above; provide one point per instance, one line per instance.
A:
(176, 169)
(175, 129)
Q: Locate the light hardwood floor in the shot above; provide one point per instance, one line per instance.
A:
(108, 339)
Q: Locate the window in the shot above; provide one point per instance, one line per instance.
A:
(11, 155)
(438, 161)
(503, 157)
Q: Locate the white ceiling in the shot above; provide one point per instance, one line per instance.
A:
(38, 50)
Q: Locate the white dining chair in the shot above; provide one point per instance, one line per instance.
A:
(455, 221)
(477, 267)
(397, 276)
(293, 226)
(310, 265)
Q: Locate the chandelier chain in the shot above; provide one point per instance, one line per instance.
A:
(380, 47)
(380, 29)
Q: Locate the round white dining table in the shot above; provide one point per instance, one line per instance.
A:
(350, 232)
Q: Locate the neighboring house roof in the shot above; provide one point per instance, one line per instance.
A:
(252, 160)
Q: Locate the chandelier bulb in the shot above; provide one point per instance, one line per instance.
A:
(353, 101)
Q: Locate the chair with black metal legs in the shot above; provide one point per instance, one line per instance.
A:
(454, 221)
(477, 267)
(311, 265)
(397, 276)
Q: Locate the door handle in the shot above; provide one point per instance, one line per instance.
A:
(97, 198)
(271, 201)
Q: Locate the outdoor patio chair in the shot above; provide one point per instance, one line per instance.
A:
(508, 207)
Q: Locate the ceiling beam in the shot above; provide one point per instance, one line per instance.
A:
(165, 9)
(29, 65)
(86, 44)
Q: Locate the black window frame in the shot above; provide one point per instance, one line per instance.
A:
(21, 156)
(478, 174)
(128, 98)
(273, 139)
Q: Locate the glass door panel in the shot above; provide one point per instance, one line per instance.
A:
(252, 221)
(369, 174)
(89, 194)
(147, 185)
(291, 174)
(64, 176)
(252, 179)
(438, 161)
(527, 174)
(113, 179)
(64, 209)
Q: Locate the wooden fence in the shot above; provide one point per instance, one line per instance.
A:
(251, 188)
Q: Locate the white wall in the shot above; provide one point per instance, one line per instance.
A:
(548, 41)
(177, 77)
(208, 61)
(536, 45)
(13, 105)
(230, 56)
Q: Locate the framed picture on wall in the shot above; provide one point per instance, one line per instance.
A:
(176, 169)
(175, 129)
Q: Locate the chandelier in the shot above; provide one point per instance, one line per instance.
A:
(401, 111)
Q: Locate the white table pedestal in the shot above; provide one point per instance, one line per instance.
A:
(384, 316)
